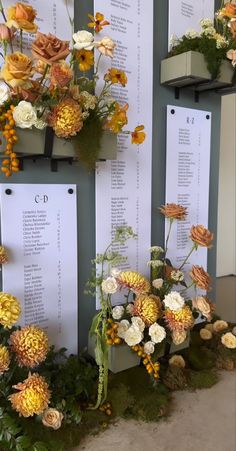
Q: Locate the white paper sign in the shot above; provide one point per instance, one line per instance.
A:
(123, 187)
(186, 14)
(39, 227)
(187, 178)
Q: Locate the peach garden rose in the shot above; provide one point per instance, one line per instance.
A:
(17, 70)
(22, 16)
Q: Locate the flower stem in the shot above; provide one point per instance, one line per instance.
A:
(5, 20)
(21, 41)
(186, 259)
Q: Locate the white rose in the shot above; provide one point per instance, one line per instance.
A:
(83, 40)
(173, 301)
(157, 333)
(4, 93)
(133, 336)
(24, 115)
(157, 283)
(122, 328)
(109, 285)
(138, 322)
(130, 309)
(149, 347)
(118, 312)
(115, 272)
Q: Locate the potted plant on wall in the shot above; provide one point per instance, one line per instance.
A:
(203, 59)
(47, 104)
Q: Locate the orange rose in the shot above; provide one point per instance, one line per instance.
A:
(22, 16)
(201, 236)
(17, 70)
(230, 9)
(49, 48)
(200, 277)
(174, 211)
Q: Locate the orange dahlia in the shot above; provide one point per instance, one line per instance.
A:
(179, 320)
(4, 359)
(66, 118)
(148, 308)
(9, 310)
(30, 345)
(134, 281)
(33, 396)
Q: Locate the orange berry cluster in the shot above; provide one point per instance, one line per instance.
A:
(10, 163)
(151, 367)
(112, 337)
(106, 408)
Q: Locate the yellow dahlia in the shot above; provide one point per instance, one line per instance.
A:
(9, 310)
(4, 359)
(3, 255)
(179, 320)
(148, 308)
(66, 118)
(33, 397)
(30, 345)
(134, 281)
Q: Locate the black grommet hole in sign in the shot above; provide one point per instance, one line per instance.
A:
(8, 191)
(172, 111)
(207, 116)
(70, 191)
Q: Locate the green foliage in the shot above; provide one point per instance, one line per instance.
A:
(200, 358)
(202, 379)
(87, 143)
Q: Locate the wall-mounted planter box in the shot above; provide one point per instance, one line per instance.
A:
(120, 358)
(175, 348)
(190, 69)
(32, 142)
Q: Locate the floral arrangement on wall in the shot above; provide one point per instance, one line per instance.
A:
(49, 86)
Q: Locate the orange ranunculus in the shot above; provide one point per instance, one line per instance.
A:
(116, 76)
(138, 136)
(22, 16)
(98, 22)
(49, 48)
(118, 119)
(17, 70)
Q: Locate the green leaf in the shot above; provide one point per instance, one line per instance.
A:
(23, 442)
(95, 323)
(39, 446)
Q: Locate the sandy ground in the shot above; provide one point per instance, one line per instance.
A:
(205, 419)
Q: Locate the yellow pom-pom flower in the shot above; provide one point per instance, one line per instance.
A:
(4, 359)
(179, 320)
(30, 345)
(9, 310)
(33, 396)
(66, 118)
(3, 255)
(148, 308)
(134, 281)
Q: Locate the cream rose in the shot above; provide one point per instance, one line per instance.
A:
(179, 337)
(149, 347)
(52, 418)
(234, 330)
(177, 360)
(138, 322)
(200, 303)
(157, 333)
(83, 40)
(229, 340)
(205, 334)
(130, 309)
(133, 336)
(157, 283)
(122, 328)
(118, 312)
(106, 46)
(109, 285)
(4, 93)
(24, 115)
(220, 325)
(174, 301)
(115, 272)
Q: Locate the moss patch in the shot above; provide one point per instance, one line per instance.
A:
(202, 379)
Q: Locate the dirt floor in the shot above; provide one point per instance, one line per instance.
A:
(205, 419)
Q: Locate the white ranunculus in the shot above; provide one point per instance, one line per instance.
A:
(149, 347)
(122, 328)
(157, 283)
(118, 312)
(130, 308)
(174, 301)
(83, 40)
(115, 272)
(25, 115)
(133, 336)
(4, 93)
(138, 322)
(109, 285)
(157, 333)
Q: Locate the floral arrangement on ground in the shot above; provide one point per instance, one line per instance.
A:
(216, 40)
(43, 90)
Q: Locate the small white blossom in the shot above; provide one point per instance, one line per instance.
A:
(221, 42)
(157, 283)
(209, 31)
(174, 301)
(157, 333)
(133, 336)
(109, 285)
(122, 328)
(174, 40)
(118, 312)
(155, 263)
(191, 34)
(177, 276)
(83, 40)
(206, 23)
(115, 272)
(149, 347)
(157, 249)
(138, 322)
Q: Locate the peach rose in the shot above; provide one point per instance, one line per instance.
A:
(106, 46)
(22, 16)
(5, 33)
(174, 211)
(60, 74)
(52, 418)
(229, 340)
(49, 48)
(202, 305)
(17, 70)
(201, 236)
(200, 277)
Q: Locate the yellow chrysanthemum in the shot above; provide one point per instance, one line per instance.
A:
(179, 320)
(33, 397)
(30, 345)
(3, 255)
(4, 359)
(9, 310)
(148, 308)
(85, 59)
(134, 281)
(66, 118)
